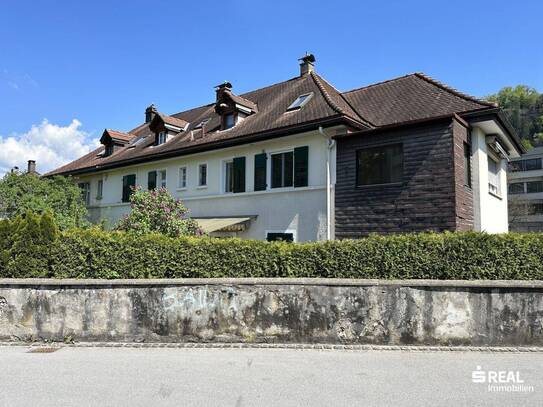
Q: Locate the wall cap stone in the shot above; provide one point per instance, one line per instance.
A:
(333, 282)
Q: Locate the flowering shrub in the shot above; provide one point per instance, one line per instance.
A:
(157, 211)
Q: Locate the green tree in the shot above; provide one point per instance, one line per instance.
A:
(157, 211)
(23, 192)
(524, 106)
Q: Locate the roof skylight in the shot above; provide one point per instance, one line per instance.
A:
(300, 101)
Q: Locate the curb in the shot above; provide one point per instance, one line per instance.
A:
(297, 346)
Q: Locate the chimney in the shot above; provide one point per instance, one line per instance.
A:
(225, 87)
(31, 167)
(307, 65)
(150, 113)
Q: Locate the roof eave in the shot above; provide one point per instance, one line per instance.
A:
(218, 144)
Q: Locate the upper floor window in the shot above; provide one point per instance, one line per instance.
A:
(289, 168)
(467, 165)
(162, 138)
(229, 176)
(182, 177)
(108, 150)
(379, 165)
(156, 179)
(494, 177)
(525, 165)
(534, 187)
(282, 170)
(229, 121)
(100, 189)
(129, 183)
(85, 192)
(202, 175)
(516, 188)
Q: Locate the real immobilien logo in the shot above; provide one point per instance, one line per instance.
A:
(501, 381)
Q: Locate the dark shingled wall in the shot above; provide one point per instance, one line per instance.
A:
(431, 197)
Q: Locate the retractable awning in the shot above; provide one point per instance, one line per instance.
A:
(224, 224)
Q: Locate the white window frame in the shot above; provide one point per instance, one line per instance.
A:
(87, 190)
(200, 185)
(293, 108)
(180, 185)
(293, 231)
(498, 188)
(223, 174)
(99, 189)
(269, 169)
(233, 120)
(159, 181)
(162, 133)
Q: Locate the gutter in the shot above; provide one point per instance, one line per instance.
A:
(329, 145)
(214, 145)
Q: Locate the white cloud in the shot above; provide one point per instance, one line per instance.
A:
(49, 144)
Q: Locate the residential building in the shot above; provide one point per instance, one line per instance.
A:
(300, 160)
(525, 183)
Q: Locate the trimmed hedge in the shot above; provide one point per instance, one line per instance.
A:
(32, 247)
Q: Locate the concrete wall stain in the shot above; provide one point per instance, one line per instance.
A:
(275, 313)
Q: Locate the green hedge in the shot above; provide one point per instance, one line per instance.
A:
(33, 247)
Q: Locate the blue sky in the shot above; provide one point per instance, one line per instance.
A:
(101, 63)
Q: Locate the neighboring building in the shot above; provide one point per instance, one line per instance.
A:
(525, 183)
(301, 161)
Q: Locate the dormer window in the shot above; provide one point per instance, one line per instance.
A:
(162, 138)
(108, 150)
(229, 120)
(300, 102)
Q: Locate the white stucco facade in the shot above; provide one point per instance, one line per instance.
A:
(490, 207)
(301, 210)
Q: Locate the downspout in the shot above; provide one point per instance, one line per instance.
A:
(329, 145)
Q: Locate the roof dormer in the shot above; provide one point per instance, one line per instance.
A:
(165, 127)
(113, 140)
(230, 107)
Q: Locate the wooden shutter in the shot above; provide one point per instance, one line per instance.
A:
(151, 180)
(260, 172)
(301, 167)
(239, 174)
(129, 181)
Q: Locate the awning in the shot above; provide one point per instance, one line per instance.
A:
(223, 224)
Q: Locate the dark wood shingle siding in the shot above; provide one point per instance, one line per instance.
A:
(463, 193)
(425, 200)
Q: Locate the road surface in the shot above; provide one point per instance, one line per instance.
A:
(260, 377)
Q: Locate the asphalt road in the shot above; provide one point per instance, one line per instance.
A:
(259, 377)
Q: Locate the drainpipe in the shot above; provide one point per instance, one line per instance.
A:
(330, 144)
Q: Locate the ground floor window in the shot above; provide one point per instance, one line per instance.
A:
(287, 236)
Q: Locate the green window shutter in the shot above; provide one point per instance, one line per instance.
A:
(151, 180)
(239, 174)
(301, 166)
(260, 172)
(129, 181)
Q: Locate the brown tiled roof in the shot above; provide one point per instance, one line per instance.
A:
(174, 121)
(119, 135)
(408, 98)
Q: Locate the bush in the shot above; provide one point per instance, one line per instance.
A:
(97, 254)
(23, 192)
(158, 211)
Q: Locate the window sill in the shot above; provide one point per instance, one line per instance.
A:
(495, 195)
(201, 187)
(389, 184)
(181, 189)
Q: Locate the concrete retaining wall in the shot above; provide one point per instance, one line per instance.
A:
(274, 310)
